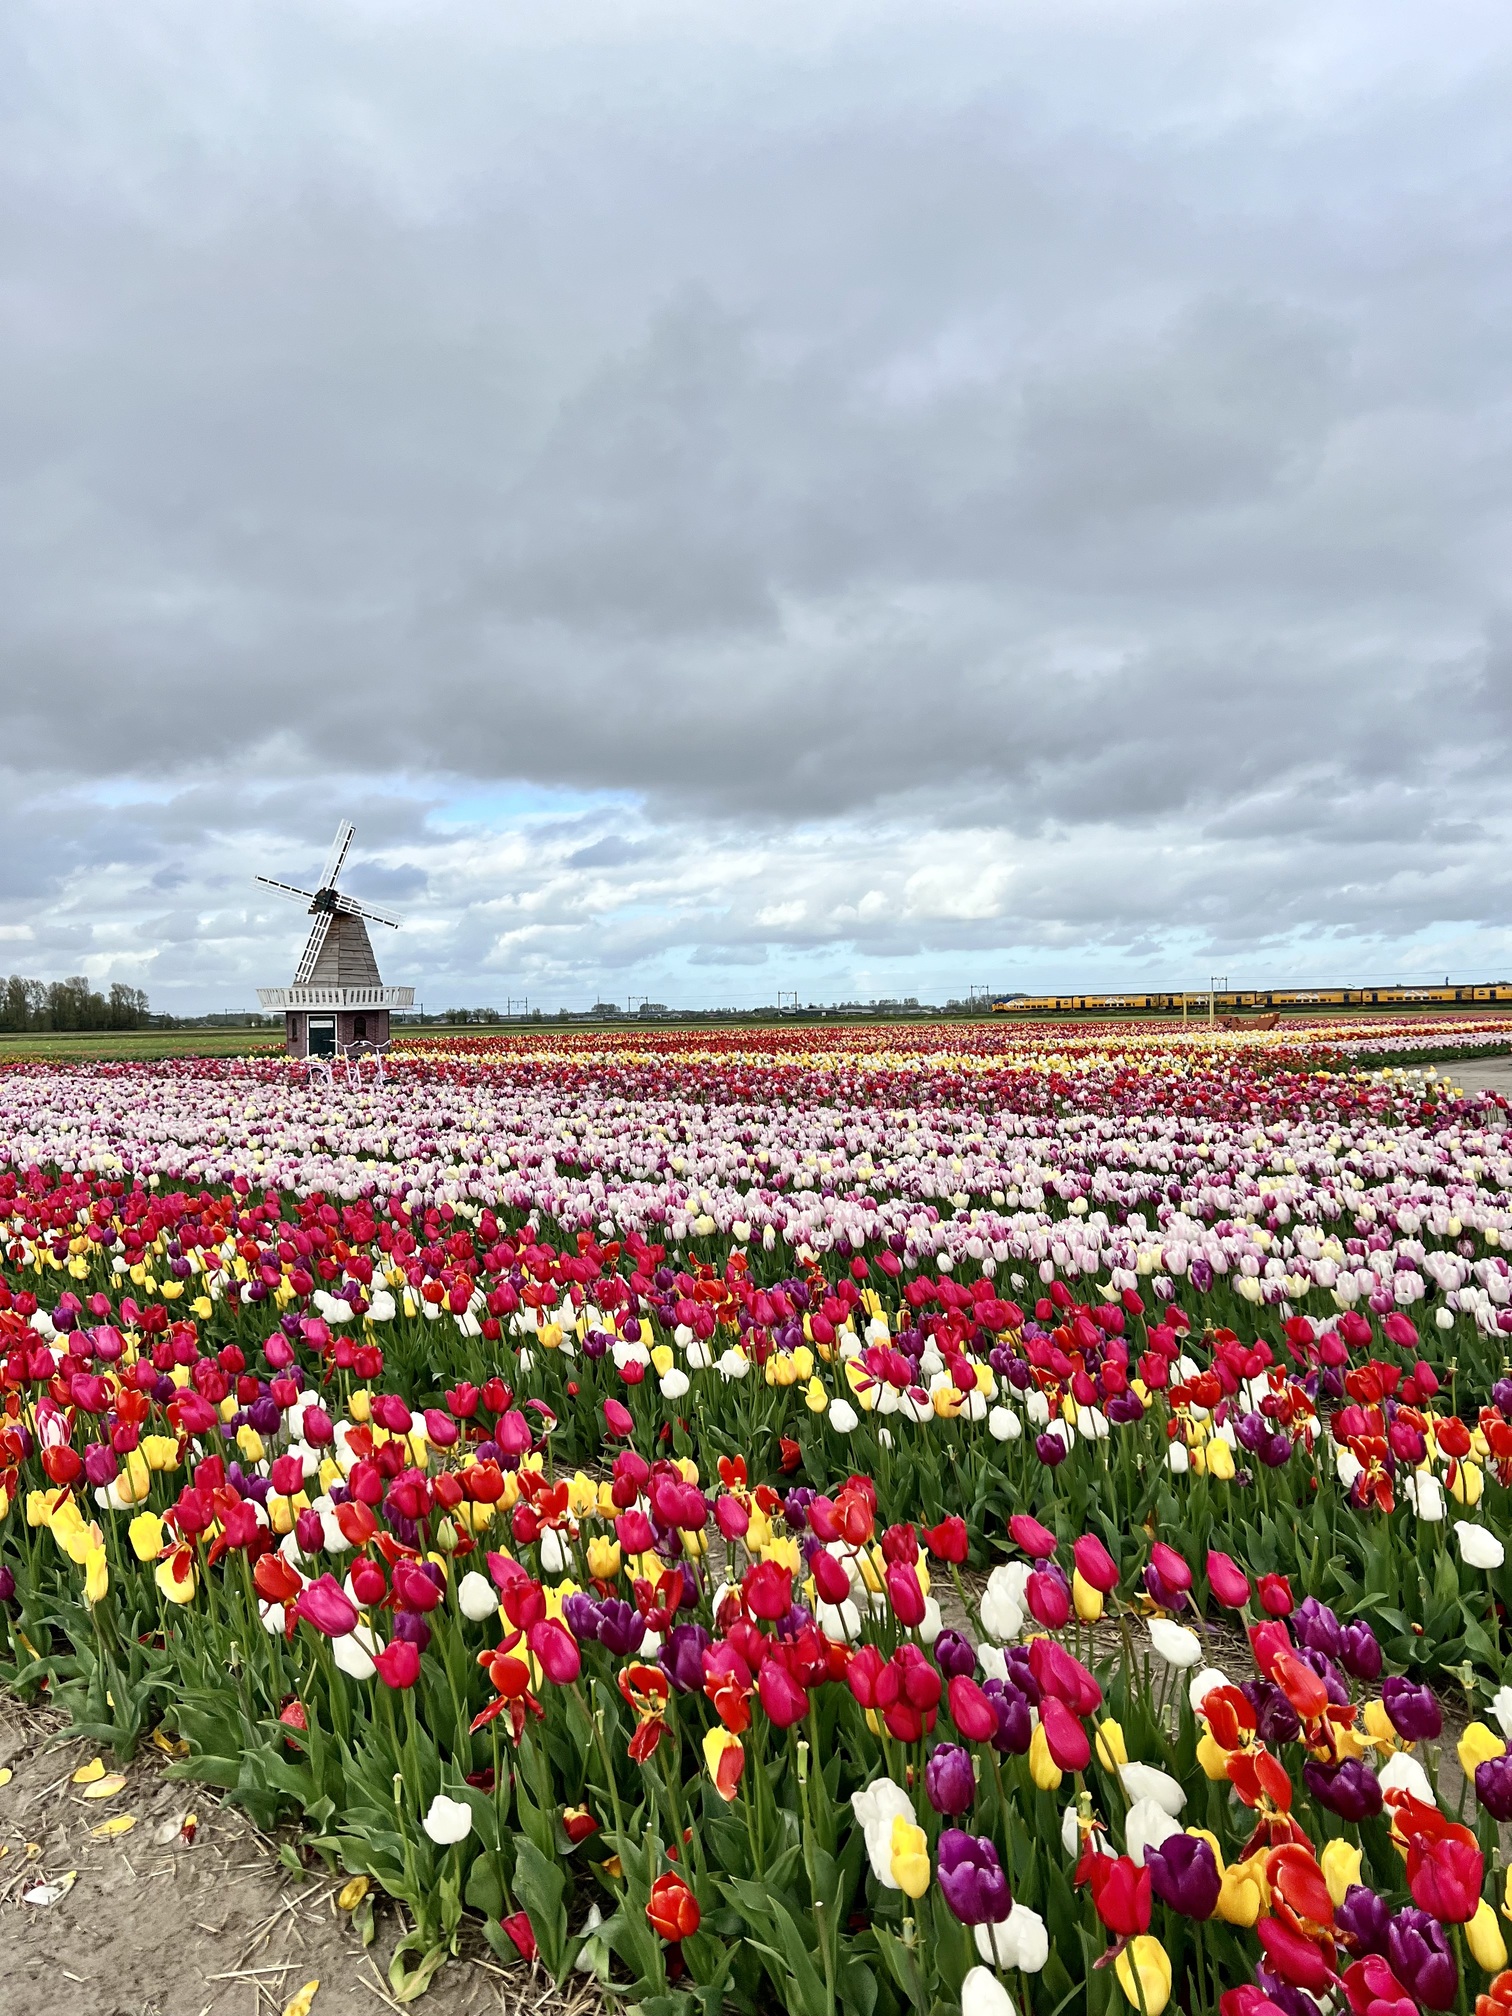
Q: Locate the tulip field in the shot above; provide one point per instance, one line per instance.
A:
(849, 1521)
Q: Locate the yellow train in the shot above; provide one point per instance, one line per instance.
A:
(1303, 1000)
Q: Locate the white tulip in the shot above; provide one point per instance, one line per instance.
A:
(1174, 1642)
(1144, 1781)
(1203, 1683)
(840, 1622)
(1179, 1460)
(1401, 1773)
(448, 1821)
(353, 1653)
(1002, 1611)
(477, 1596)
(674, 1384)
(1019, 1941)
(1478, 1547)
(1003, 1425)
(1147, 1826)
(995, 1667)
(931, 1624)
(1501, 1708)
(1427, 1495)
(982, 1994)
(876, 1809)
(843, 1418)
(555, 1558)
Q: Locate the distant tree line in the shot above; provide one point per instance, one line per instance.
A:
(70, 1004)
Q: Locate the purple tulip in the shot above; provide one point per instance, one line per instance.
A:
(1159, 1591)
(620, 1628)
(949, 1781)
(1363, 1920)
(954, 1655)
(1184, 1874)
(580, 1615)
(1493, 1786)
(681, 1657)
(7, 1584)
(1317, 1627)
(412, 1627)
(972, 1880)
(1359, 1651)
(1351, 1789)
(1277, 1719)
(1289, 2000)
(1051, 1450)
(100, 1464)
(1124, 1408)
(1417, 1948)
(1021, 1673)
(1328, 1673)
(1015, 1730)
(309, 1532)
(1413, 1708)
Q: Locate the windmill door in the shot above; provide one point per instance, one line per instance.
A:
(322, 1035)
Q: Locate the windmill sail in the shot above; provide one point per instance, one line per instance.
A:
(314, 946)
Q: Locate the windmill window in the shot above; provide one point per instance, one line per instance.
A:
(359, 1028)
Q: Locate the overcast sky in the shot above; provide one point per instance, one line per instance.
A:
(858, 499)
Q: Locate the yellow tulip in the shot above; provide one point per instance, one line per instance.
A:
(1340, 1863)
(1213, 1758)
(160, 1452)
(39, 1507)
(360, 1404)
(1506, 1909)
(718, 1746)
(909, 1858)
(1478, 1745)
(582, 1495)
(1220, 1459)
(947, 1402)
(133, 1480)
(1112, 1751)
(170, 1586)
(1043, 1768)
(146, 1536)
(1244, 1891)
(96, 1575)
(1483, 1936)
(662, 1360)
(1088, 1601)
(1380, 1728)
(1144, 1974)
(815, 1398)
(1469, 1483)
(603, 1558)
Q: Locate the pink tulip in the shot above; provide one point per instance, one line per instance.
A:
(970, 1710)
(618, 1419)
(1047, 1599)
(556, 1648)
(1095, 1564)
(1227, 1580)
(905, 1595)
(326, 1605)
(1036, 1540)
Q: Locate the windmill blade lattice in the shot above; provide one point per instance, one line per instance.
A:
(350, 907)
(336, 859)
(289, 889)
(314, 946)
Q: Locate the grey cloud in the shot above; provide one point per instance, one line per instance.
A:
(1060, 426)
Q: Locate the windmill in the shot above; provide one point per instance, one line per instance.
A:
(338, 999)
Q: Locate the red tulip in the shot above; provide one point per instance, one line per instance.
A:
(1275, 1595)
(1227, 1580)
(521, 1933)
(398, 1663)
(1296, 1959)
(673, 1909)
(1121, 1895)
(1445, 1875)
(1095, 1564)
(830, 1578)
(949, 1540)
(768, 1590)
(970, 1710)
